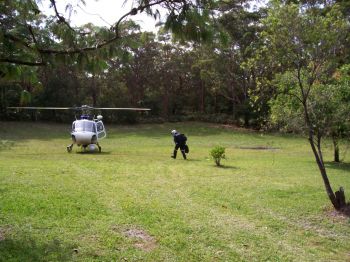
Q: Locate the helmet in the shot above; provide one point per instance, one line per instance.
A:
(174, 132)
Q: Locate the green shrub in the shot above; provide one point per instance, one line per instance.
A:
(218, 153)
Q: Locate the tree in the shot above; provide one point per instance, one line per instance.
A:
(328, 108)
(243, 27)
(306, 45)
(340, 127)
(29, 37)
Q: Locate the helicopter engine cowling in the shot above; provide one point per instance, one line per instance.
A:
(84, 138)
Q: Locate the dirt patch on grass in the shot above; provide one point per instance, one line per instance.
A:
(259, 148)
(144, 241)
(3, 233)
(342, 214)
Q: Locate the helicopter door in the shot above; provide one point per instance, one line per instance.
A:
(101, 132)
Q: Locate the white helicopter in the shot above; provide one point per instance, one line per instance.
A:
(88, 130)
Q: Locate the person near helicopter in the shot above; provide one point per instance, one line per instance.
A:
(180, 142)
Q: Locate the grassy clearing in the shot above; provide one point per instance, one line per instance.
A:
(134, 202)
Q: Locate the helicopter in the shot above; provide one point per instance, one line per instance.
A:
(88, 130)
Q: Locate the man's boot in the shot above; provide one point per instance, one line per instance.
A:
(183, 154)
(174, 154)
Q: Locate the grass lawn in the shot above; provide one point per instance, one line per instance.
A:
(133, 202)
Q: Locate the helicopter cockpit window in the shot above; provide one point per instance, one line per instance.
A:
(101, 133)
(99, 126)
(86, 126)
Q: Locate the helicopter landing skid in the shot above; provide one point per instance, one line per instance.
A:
(69, 148)
(99, 148)
(87, 148)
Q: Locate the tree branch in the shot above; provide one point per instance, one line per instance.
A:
(319, 137)
(73, 50)
(107, 42)
(18, 40)
(61, 18)
(32, 34)
(134, 12)
(35, 41)
(20, 62)
(312, 78)
(301, 86)
(294, 95)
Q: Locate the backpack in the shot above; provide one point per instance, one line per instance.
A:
(187, 150)
(182, 138)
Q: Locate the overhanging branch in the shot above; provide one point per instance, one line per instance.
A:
(61, 18)
(34, 45)
(21, 62)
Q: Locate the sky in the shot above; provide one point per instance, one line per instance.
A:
(101, 13)
(107, 12)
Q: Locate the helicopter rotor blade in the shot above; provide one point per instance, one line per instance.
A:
(84, 107)
(122, 108)
(38, 107)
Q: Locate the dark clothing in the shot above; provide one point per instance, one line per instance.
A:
(180, 142)
(180, 139)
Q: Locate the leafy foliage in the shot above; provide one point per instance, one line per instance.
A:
(218, 153)
(222, 61)
(30, 37)
(307, 45)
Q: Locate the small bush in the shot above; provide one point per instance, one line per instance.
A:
(218, 153)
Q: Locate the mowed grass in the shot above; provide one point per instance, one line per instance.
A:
(133, 202)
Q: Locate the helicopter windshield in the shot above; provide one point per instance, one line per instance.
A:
(87, 126)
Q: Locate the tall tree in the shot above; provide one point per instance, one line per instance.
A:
(307, 44)
(243, 27)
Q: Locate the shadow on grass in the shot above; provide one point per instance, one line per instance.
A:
(93, 153)
(30, 250)
(226, 167)
(338, 166)
(268, 148)
(223, 167)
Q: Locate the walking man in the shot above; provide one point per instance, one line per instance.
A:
(180, 142)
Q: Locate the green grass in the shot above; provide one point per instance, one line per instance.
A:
(263, 205)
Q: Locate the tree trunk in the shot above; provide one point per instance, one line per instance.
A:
(320, 164)
(93, 91)
(165, 102)
(202, 97)
(336, 149)
(215, 103)
(340, 196)
(234, 111)
(336, 200)
(2, 108)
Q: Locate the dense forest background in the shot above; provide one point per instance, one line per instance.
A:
(216, 64)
